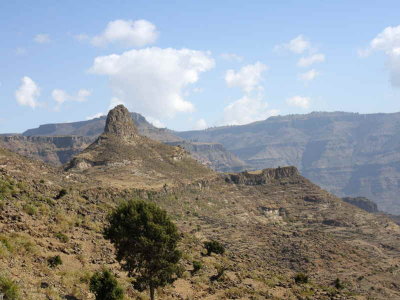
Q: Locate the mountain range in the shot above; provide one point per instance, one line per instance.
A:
(349, 154)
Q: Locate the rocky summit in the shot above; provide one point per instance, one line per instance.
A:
(119, 123)
(121, 156)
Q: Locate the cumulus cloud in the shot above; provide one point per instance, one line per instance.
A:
(98, 115)
(297, 45)
(129, 33)
(309, 76)
(246, 110)
(247, 78)
(155, 122)
(231, 57)
(27, 93)
(152, 80)
(200, 124)
(388, 42)
(311, 59)
(61, 96)
(299, 101)
(114, 102)
(42, 38)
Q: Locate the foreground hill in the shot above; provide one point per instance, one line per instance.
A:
(348, 154)
(273, 223)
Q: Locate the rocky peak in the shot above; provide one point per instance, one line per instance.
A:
(119, 123)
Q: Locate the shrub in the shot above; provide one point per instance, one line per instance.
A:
(301, 278)
(220, 273)
(9, 288)
(338, 284)
(214, 246)
(30, 209)
(105, 286)
(61, 194)
(54, 261)
(197, 266)
(62, 237)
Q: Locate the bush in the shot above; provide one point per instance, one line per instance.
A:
(214, 246)
(301, 278)
(197, 266)
(61, 194)
(30, 209)
(105, 286)
(62, 237)
(54, 261)
(338, 284)
(8, 288)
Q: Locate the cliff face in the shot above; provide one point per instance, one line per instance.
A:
(213, 155)
(362, 203)
(55, 150)
(346, 153)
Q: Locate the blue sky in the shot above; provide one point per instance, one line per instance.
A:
(194, 64)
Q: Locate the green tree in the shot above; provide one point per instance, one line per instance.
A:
(105, 286)
(146, 244)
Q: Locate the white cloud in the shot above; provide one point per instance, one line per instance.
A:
(200, 124)
(246, 110)
(98, 115)
(82, 95)
(27, 93)
(299, 101)
(247, 78)
(114, 102)
(309, 75)
(155, 122)
(129, 33)
(152, 80)
(388, 41)
(61, 96)
(42, 38)
(312, 59)
(231, 57)
(297, 45)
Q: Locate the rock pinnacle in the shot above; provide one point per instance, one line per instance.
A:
(119, 123)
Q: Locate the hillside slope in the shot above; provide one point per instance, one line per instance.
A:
(348, 154)
(274, 224)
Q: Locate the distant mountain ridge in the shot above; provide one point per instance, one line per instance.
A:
(58, 143)
(349, 154)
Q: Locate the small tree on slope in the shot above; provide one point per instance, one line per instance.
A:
(146, 244)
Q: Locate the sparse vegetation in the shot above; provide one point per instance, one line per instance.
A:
(104, 286)
(338, 284)
(197, 266)
(8, 288)
(214, 247)
(54, 261)
(301, 278)
(146, 244)
(61, 194)
(62, 237)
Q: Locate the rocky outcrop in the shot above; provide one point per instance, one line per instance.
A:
(363, 203)
(120, 124)
(261, 177)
